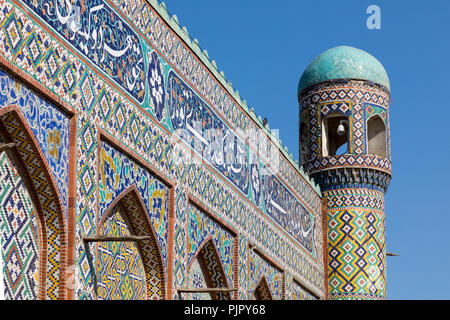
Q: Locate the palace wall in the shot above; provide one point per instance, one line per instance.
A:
(123, 127)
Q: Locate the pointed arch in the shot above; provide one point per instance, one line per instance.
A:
(39, 181)
(332, 139)
(376, 136)
(262, 290)
(211, 265)
(140, 225)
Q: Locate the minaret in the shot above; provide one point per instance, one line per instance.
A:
(345, 146)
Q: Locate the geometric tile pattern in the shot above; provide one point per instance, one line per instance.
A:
(264, 277)
(361, 197)
(299, 293)
(362, 96)
(350, 160)
(211, 264)
(358, 142)
(132, 205)
(196, 280)
(48, 201)
(243, 272)
(118, 173)
(356, 243)
(191, 68)
(100, 105)
(180, 258)
(120, 272)
(50, 128)
(357, 155)
(200, 228)
(355, 215)
(19, 236)
(211, 270)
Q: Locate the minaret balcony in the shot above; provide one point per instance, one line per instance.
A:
(348, 160)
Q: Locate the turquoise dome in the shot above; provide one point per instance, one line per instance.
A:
(343, 63)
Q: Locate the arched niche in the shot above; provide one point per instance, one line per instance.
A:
(212, 270)
(31, 164)
(335, 134)
(376, 136)
(127, 215)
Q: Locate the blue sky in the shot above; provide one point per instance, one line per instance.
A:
(264, 46)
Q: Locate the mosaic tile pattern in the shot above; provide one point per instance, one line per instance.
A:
(195, 123)
(19, 236)
(353, 103)
(196, 280)
(120, 272)
(357, 246)
(48, 202)
(200, 228)
(210, 261)
(99, 9)
(117, 173)
(189, 66)
(180, 257)
(354, 185)
(351, 98)
(150, 250)
(258, 269)
(101, 105)
(212, 273)
(299, 293)
(243, 272)
(288, 212)
(349, 160)
(49, 126)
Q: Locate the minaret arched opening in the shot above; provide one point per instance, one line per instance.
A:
(376, 136)
(335, 135)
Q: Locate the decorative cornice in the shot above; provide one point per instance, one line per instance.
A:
(352, 177)
(362, 160)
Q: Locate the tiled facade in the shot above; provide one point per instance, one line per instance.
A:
(123, 129)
